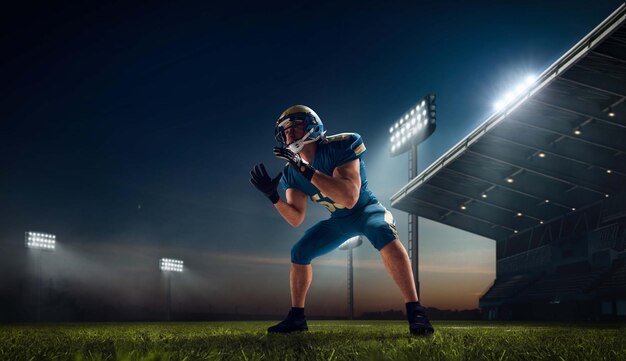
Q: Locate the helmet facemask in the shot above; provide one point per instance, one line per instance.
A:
(297, 120)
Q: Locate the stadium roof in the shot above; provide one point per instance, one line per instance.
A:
(552, 150)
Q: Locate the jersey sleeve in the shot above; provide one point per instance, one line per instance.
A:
(286, 181)
(350, 148)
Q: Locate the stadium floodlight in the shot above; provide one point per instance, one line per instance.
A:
(421, 121)
(40, 240)
(44, 242)
(353, 242)
(414, 126)
(173, 265)
(349, 245)
(516, 91)
(169, 265)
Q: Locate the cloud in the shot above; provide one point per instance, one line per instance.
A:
(341, 263)
(469, 269)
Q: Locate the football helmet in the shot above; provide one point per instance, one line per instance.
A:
(295, 116)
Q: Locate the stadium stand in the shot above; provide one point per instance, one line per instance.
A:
(563, 286)
(615, 282)
(503, 289)
(545, 177)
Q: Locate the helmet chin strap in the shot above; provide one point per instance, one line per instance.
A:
(297, 146)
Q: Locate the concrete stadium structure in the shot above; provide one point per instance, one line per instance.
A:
(545, 177)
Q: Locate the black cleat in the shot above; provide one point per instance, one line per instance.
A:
(418, 321)
(290, 324)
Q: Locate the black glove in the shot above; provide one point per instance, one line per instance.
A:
(264, 183)
(296, 161)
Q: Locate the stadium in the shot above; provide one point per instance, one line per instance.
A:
(143, 238)
(545, 178)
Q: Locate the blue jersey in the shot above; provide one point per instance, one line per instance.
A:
(332, 152)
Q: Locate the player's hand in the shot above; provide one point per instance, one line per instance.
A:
(296, 161)
(264, 183)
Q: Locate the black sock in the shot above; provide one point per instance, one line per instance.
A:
(297, 312)
(411, 307)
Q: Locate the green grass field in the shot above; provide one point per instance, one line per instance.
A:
(326, 340)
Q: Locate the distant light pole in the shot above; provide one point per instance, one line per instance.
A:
(41, 242)
(413, 127)
(349, 245)
(168, 266)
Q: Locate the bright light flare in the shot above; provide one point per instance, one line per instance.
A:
(516, 91)
(173, 265)
(530, 80)
(40, 240)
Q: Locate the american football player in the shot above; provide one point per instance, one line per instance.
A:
(330, 171)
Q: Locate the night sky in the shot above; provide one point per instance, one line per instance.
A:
(129, 132)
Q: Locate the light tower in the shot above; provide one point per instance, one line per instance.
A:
(168, 266)
(348, 245)
(41, 242)
(413, 127)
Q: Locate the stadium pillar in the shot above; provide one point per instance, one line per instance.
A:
(39, 290)
(349, 245)
(413, 224)
(169, 296)
(350, 286)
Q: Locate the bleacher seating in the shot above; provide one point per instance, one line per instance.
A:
(616, 280)
(562, 285)
(502, 289)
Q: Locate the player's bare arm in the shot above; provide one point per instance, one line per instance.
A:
(344, 185)
(293, 209)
